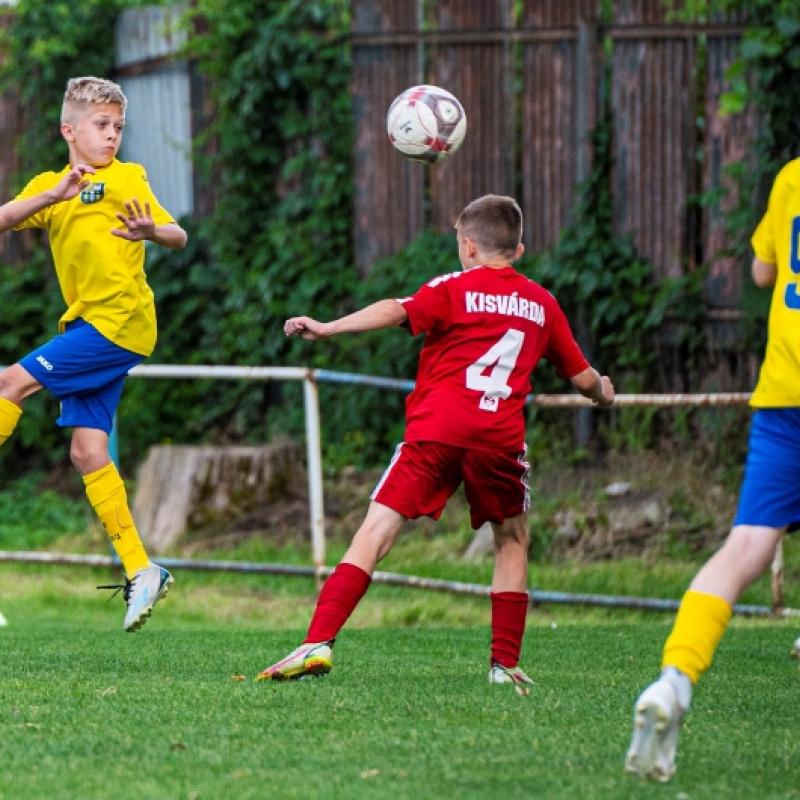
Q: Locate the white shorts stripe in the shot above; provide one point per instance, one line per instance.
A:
(395, 458)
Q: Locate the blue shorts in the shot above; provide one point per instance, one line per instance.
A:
(86, 372)
(770, 493)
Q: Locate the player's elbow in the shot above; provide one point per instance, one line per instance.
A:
(586, 382)
(174, 237)
(764, 274)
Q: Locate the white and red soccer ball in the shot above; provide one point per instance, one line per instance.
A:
(426, 123)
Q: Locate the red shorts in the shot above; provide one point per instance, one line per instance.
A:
(422, 477)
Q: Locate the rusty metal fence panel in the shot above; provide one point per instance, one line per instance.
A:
(389, 190)
(655, 133)
(558, 107)
(11, 127)
(726, 143)
(479, 71)
(528, 74)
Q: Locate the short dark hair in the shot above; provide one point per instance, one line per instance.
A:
(494, 223)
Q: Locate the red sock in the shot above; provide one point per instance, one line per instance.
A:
(509, 610)
(337, 600)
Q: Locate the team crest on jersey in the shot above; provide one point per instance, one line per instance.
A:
(93, 193)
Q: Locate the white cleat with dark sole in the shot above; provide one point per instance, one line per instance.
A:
(656, 720)
(148, 586)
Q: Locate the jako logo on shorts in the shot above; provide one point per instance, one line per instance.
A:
(93, 193)
(45, 363)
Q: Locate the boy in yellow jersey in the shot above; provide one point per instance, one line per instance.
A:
(98, 213)
(769, 501)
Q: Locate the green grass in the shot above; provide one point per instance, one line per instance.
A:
(89, 712)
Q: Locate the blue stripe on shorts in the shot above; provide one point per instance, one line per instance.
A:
(86, 372)
(770, 493)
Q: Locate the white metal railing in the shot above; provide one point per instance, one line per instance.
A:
(310, 378)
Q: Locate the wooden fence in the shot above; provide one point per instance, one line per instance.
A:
(529, 76)
(528, 73)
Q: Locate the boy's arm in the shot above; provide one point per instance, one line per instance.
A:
(383, 314)
(17, 211)
(764, 273)
(170, 235)
(594, 386)
(139, 225)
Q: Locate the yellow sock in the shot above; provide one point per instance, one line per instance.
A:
(9, 417)
(108, 497)
(702, 620)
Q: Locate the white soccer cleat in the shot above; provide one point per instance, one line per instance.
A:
(795, 654)
(513, 675)
(656, 720)
(141, 593)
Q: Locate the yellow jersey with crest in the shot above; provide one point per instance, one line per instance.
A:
(777, 241)
(101, 276)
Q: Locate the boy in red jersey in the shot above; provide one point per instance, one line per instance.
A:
(485, 330)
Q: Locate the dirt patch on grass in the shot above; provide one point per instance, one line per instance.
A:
(617, 505)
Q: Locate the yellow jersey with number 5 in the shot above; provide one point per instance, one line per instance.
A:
(101, 276)
(777, 241)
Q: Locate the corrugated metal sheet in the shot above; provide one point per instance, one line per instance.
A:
(726, 143)
(654, 101)
(479, 75)
(389, 189)
(558, 108)
(11, 127)
(557, 13)
(148, 34)
(158, 134)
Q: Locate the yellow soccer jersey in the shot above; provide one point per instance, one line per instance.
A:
(101, 276)
(777, 241)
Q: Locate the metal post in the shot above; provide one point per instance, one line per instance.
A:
(314, 463)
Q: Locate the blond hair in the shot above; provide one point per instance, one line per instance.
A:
(84, 92)
(494, 223)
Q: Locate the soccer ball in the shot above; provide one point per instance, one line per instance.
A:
(426, 124)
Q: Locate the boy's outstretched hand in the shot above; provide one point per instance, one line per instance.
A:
(139, 225)
(306, 327)
(73, 183)
(608, 391)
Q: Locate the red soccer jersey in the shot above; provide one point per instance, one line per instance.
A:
(486, 329)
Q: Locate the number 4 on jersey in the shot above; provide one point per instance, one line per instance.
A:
(501, 358)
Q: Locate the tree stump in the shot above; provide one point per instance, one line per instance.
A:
(190, 487)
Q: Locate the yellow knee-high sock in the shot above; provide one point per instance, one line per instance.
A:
(9, 417)
(702, 620)
(108, 497)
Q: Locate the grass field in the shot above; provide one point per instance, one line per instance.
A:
(87, 711)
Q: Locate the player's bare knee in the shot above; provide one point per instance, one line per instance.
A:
(86, 456)
(751, 546)
(511, 534)
(13, 385)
